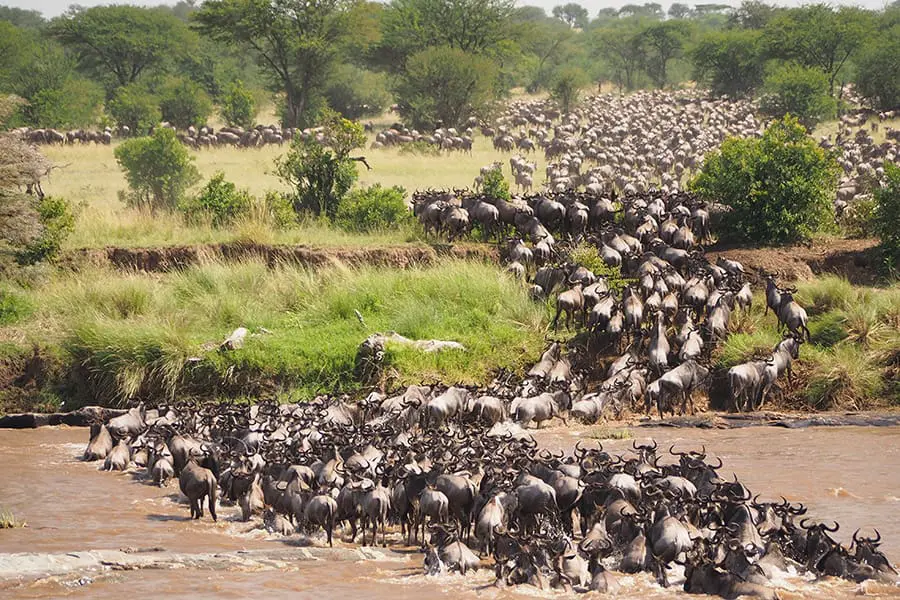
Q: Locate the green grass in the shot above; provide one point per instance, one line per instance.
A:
(610, 433)
(138, 335)
(853, 357)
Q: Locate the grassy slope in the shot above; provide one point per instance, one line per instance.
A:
(134, 333)
(853, 358)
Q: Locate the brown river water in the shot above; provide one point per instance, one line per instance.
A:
(849, 474)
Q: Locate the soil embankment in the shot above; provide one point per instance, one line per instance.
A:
(170, 258)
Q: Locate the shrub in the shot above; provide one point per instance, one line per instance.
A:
(799, 91)
(887, 216)
(184, 103)
(858, 219)
(356, 92)
(158, 169)
(219, 201)
(495, 185)
(133, 106)
(779, 188)
(588, 256)
(321, 174)
(74, 104)
(57, 221)
(878, 70)
(373, 208)
(238, 106)
(566, 88)
(278, 210)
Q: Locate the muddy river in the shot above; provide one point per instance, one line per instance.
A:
(845, 473)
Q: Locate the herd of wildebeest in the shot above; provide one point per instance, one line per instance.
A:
(456, 468)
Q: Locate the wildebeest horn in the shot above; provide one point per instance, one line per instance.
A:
(832, 529)
(803, 523)
(673, 453)
(719, 466)
(876, 539)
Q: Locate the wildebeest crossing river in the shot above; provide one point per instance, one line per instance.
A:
(848, 474)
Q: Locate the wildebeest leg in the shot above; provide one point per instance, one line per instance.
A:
(556, 319)
(329, 530)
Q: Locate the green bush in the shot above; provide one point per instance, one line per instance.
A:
(75, 104)
(184, 103)
(57, 222)
(219, 201)
(858, 219)
(878, 70)
(887, 216)
(566, 88)
(356, 92)
(321, 174)
(238, 106)
(588, 256)
(279, 210)
(133, 106)
(495, 185)
(828, 329)
(158, 169)
(779, 187)
(373, 208)
(799, 91)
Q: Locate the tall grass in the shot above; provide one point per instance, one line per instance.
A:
(853, 357)
(143, 335)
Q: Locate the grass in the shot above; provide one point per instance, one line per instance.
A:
(90, 178)
(610, 433)
(138, 335)
(9, 521)
(853, 357)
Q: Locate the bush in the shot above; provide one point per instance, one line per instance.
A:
(878, 70)
(730, 62)
(779, 187)
(133, 106)
(238, 106)
(219, 201)
(321, 174)
(158, 169)
(799, 91)
(887, 216)
(278, 210)
(858, 219)
(57, 222)
(356, 92)
(588, 256)
(373, 208)
(495, 185)
(75, 104)
(445, 85)
(566, 88)
(184, 103)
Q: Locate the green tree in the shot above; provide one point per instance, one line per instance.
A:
(75, 104)
(26, 19)
(779, 188)
(819, 36)
(219, 200)
(623, 47)
(495, 185)
(799, 91)
(294, 41)
(321, 173)
(567, 88)
(158, 168)
(663, 41)
(729, 62)
(887, 216)
(548, 43)
(135, 107)
(878, 70)
(118, 44)
(373, 208)
(751, 14)
(445, 85)
(679, 11)
(239, 106)
(411, 26)
(572, 14)
(355, 92)
(184, 103)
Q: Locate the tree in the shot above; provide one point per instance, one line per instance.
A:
(887, 215)
(799, 91)
(159, 170)
(356, 92)
(751, 14)
(26, 19)
(729, 62)
(135, 107)
(184, 103)
(663, 41)
(445, 85)
(472, 26)
(548, 43)
(779, 188)
(567, 87)
(878, 70)
(321, 173)
(75, 104)
(818, 36)
(572, 14)
(118, 44)
(623, 48)
(649, 10)
(679, 11)
(294, 41)
(238, 106)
